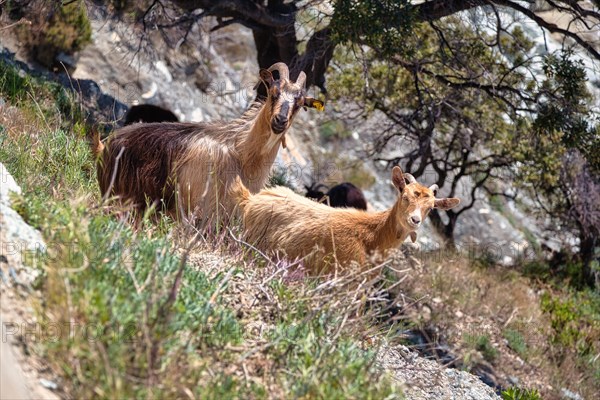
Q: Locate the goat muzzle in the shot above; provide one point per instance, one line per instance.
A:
(279, 124)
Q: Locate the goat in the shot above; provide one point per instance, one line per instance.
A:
(279, 220)
(342, 195)
(197, 162)
(314, 191)
(149, 113)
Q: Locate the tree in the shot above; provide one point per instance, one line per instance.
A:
(561, 166)
(465, 91)
(455, 127)
(378, 22)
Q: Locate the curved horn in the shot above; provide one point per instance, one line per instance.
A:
(434, 188)
(284, 72)
(410, 179)
(301, 81)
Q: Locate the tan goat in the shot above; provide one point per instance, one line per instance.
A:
(279, 220)
(161, 163)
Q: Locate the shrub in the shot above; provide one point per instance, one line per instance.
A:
(482, 344)
(55, 29)
(332, 130)
(516, 342)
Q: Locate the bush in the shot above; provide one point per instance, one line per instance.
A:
(333, 130)
(483, 345)
(53, 103)
(55, 29)
(516, 342)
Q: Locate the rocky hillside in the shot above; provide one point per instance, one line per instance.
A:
(466, 325)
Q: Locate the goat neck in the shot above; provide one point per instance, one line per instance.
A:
(387, 232)
(257, 147)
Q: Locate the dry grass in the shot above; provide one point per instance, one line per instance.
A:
(502, 310)
(172, 313)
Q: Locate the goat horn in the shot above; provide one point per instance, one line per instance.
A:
(434, 188)
(301, 79)
(409, 178)
(284, 72)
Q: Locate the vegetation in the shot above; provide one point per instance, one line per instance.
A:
(516, 393)
(482, 344)
(54, 28)
(475, 124)
(171, 321)
(148, 313)
(496, 318)
(516, 342)
(333, 130)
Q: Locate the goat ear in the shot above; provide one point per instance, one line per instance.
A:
(446, 204)
(413, 237)
(314, 103)
(266, 77)
(398, 178)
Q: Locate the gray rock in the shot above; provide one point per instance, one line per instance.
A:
(7, 185)
(48, 384)
(569, 395)
(424, 379)
(20, 242)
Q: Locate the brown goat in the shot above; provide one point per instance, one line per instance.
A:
(279, 220)
(161, 163)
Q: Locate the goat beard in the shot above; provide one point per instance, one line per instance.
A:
(413, 237)
(273, 142)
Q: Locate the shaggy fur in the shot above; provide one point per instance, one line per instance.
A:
(196, 163)
(279, 220)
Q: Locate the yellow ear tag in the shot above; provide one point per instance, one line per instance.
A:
(319, 105)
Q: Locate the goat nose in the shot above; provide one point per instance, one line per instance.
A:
(280, 120)
(415, 220)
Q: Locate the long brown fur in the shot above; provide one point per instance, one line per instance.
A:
(277, 220)
(197, 162)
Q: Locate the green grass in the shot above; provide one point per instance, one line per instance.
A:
(516, 342)
(482, 344)
(144, 321)
(47, 100)
(516, 393)
(575, 329)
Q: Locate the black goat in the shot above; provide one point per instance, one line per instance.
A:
(149, 113)
(342, 195)
(313, 191)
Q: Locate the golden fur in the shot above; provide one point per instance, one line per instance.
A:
(277, 220)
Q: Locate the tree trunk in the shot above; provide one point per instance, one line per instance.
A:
(587, 249)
